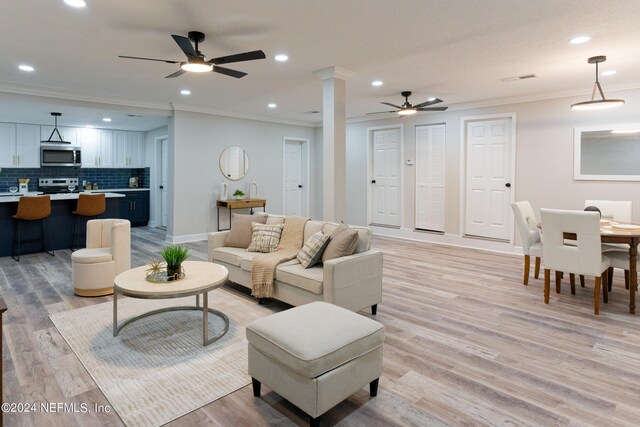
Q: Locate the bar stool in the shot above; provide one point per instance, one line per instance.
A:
(89, 205)
(32, 209)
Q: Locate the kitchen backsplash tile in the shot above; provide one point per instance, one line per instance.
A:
(106, 178)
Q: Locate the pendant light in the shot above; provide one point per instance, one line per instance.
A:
(597, 104)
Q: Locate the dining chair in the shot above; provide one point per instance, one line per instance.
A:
(613, 210)
(530, 235)
(584, 256)
(621, 260)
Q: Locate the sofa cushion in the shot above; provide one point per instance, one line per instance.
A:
(247, 260)
(265, 238)
(293, 273)
(275, 220)
(312, 250)
(232, 256)
(240, 233)
(364, 236)
(315, 338)
(343, 242)
(312, 227)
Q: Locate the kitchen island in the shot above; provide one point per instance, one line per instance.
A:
(60, 222)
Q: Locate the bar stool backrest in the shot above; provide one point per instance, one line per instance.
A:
(33, 208)
(91, 204)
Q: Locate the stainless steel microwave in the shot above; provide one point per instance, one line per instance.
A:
(60, 155)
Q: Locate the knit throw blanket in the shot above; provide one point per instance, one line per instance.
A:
(264, 265)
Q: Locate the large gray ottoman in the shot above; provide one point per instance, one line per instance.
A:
(315, 355)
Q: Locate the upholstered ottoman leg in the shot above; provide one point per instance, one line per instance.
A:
(373, 387)
(256, 387)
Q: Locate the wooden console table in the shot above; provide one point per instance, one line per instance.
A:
(240, 204)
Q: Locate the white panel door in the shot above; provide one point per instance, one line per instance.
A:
(8, 145)
(386, 167)
(293, 185)
(488, 196)
(164, 182)
(430, 164)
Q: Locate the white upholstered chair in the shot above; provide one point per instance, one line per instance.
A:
(108, 253)
(613, 210)
(584, 257)
(530, 235)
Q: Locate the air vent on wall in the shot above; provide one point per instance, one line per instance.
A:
(515, 78)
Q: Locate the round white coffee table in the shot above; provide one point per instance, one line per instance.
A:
(200, 278)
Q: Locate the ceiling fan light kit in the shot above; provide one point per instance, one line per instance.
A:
(407, 109)
(198, 63)
(597, 104)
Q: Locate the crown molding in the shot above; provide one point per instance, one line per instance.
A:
(496, 102)
(333, 72)
(77, 96)
(203, 110)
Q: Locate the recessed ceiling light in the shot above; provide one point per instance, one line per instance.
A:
(580, 39)
(433, 98)
(272, 105)
(608, 73)
(376, 83)
(185, 92)
(25, 67)
(281, 58)
(106, 119)
(76, 3)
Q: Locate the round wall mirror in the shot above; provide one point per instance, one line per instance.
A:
(234, 163)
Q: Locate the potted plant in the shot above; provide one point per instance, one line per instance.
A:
(174, 257)
(238, 194)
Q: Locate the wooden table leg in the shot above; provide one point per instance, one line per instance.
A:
(633, 275)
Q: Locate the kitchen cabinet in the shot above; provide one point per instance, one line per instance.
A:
(96, 148)
(135, 207)
(128, 149)
(19, 145)
(68, 134)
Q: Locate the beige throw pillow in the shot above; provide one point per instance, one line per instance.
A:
(313, 249)
(265, 238)
(240, 234)
(342, 243)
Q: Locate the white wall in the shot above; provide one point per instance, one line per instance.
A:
(196, 143)
(151, 161)
(544, 157)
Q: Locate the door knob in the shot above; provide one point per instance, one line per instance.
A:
(373, 181)
(299, 185)
(508, 185)
(161, 187)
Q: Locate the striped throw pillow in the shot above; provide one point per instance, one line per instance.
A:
(312, 250)
(265, 238)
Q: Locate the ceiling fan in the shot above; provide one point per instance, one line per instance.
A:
(407, 109)
(198, 63)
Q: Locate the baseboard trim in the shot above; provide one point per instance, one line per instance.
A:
(187, 238)
(455, 240)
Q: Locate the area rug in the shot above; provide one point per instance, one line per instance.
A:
(156, 369)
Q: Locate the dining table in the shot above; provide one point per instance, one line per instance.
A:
(610, 233)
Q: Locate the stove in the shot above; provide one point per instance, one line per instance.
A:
(58, 185)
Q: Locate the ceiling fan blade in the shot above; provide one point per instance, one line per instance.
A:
(168, 61)
(229, 72)
(427, 103)
(391, 105)
(239, 57)
(176, 74)
(186, 46)
(383, 112)
(432, 109)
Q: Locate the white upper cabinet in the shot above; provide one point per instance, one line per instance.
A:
(7, 145)
(89, 141)
(128, 149)
(68, 134)
(19, 146)
(28, 146)
(105, 137)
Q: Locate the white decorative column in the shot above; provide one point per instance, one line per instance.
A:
(334, 143)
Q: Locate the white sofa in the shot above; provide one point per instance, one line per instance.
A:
(353, 282)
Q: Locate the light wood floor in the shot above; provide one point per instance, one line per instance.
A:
(467, 344)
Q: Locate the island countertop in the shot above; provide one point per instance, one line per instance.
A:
(54, 197)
